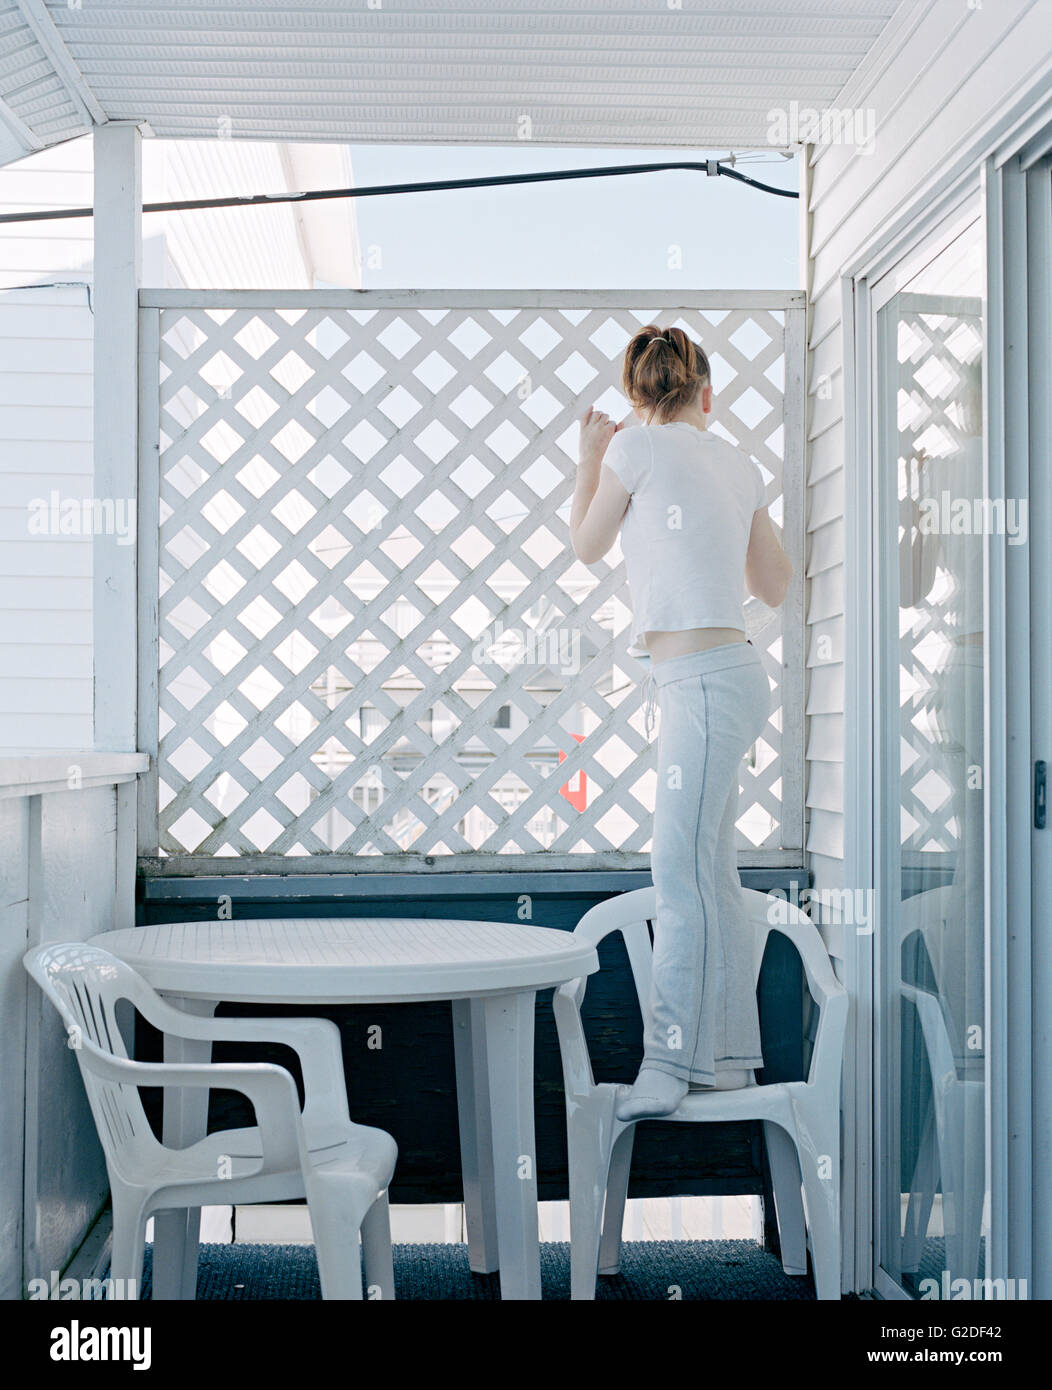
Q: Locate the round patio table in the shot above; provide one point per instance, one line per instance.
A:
(491, 971)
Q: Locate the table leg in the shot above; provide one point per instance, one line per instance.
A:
(509, 1063)
(176, 1233)
(476, 1134)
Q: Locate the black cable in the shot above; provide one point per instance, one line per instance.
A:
(755, 183)
(711, 167)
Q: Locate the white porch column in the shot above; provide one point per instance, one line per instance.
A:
(117, 276)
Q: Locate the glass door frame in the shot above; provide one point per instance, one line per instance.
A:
(1008, 163)
(1018, 188)
(1036, 168)
(1015, 189)
(927, 247)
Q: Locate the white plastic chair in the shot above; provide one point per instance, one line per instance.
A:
(342, 1169)
(801, 1119)
(950, 1147)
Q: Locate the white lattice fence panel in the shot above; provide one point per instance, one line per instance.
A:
(938, 408)
(373, 636)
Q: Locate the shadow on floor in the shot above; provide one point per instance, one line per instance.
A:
(696, 1271)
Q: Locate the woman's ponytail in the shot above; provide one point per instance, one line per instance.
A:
(664, 371)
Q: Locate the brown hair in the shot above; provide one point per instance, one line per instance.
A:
(664, 371)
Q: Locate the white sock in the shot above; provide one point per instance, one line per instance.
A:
(733, 1080)
(654, 1093)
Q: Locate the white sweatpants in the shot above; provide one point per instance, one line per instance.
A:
(702, 1016)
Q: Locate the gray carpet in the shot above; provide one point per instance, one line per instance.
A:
(702, 1271)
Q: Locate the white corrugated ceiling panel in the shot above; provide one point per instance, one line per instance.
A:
(619, 73)
(37, 108)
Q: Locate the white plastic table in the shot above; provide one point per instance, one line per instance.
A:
(490, 970)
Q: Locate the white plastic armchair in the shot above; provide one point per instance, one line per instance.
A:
(343, 1169)
(950, 1148)
(801, 1119)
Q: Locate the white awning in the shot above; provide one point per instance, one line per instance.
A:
(618, 73)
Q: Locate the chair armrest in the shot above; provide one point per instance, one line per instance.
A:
(573, 1045)
(936, 1038)
(316, 1042)
(827, 1056)
(270, 1089)
(821, 978)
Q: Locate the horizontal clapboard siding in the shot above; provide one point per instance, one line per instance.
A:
(31, 252)
(46, 342)
(46, 369)
(938, 77)
(45, 580)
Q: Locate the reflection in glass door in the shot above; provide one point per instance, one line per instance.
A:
(931, 1026)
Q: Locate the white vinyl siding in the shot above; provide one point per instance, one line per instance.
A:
(45, 582)
(938, 76)
(46, 373)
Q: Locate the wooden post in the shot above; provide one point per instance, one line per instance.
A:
(117, 275)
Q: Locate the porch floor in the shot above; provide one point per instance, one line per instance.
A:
(703, 1270)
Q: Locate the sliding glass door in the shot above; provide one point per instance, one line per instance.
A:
(931, 1025)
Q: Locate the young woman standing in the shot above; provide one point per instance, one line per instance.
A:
(695, 533)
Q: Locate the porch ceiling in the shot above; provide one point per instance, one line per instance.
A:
(597, 72)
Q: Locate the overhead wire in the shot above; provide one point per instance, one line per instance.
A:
(712, 168)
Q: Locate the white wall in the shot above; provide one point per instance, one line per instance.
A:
(943, 75)
(14, 990)
(46, 370)
(67, 864)
(45, 581)
(45, 442)
(939, 75)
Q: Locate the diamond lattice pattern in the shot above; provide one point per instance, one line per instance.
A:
(939, 423)
(374, 637)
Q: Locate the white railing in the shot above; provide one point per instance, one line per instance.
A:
(67, 868)
(365, 635)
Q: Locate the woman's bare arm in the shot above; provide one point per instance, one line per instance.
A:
(768, 568)
(600, 500)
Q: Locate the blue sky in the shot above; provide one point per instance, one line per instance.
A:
(586, 234)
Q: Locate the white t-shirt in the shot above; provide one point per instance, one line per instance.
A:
(686, 529)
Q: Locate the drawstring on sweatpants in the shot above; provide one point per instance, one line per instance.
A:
(649, 689)
(649, 702)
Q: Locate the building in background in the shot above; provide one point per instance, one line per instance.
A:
(46, 367)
